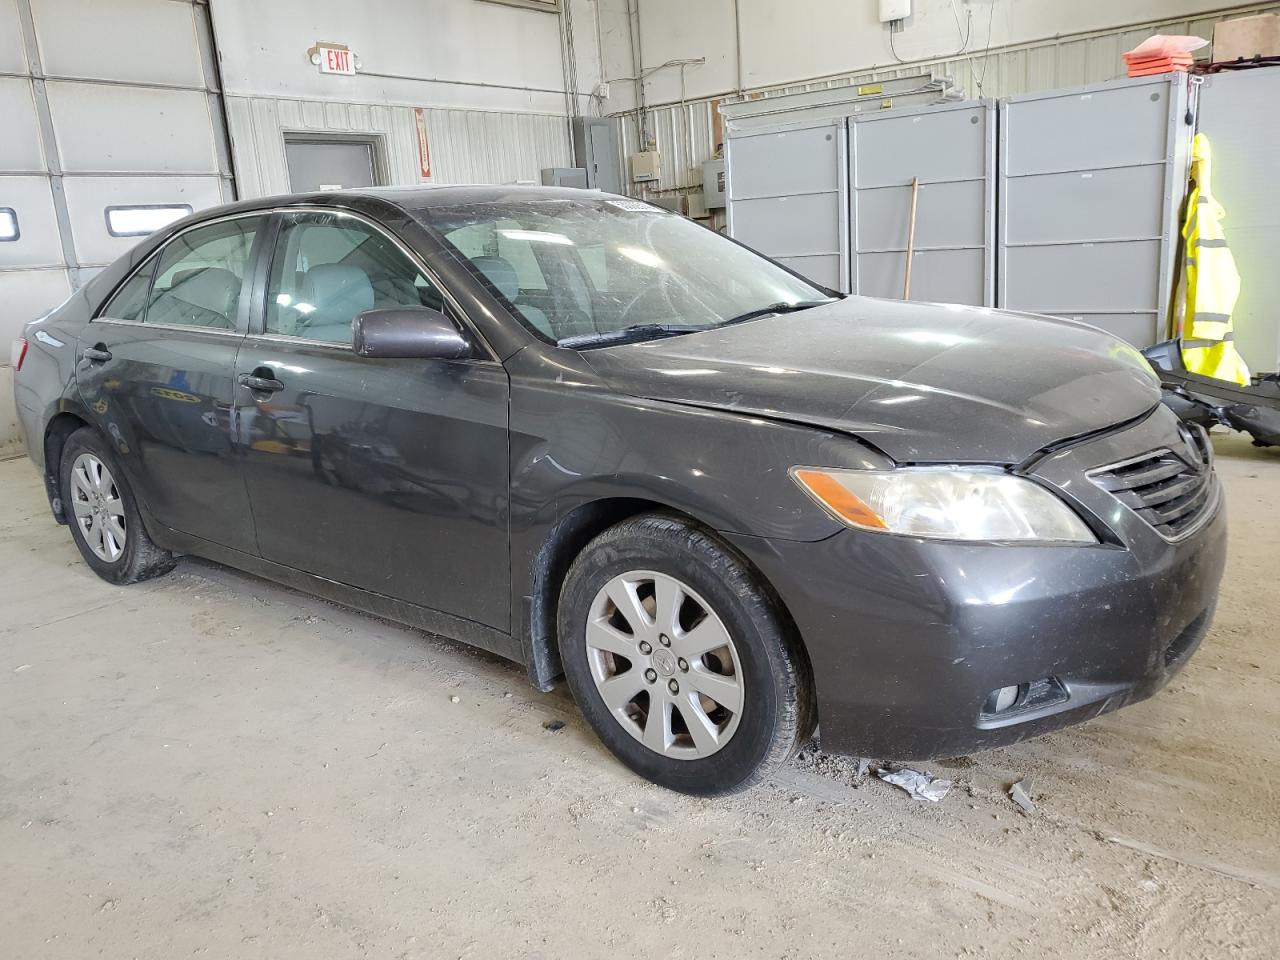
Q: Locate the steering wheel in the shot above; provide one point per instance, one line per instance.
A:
(657, 300)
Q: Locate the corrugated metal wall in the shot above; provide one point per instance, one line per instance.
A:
(467, 146)
(684, 131)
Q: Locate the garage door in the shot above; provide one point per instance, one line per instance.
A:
(113, 123)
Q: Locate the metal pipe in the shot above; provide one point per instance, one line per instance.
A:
(737, 42)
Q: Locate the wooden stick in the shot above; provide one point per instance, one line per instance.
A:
(911, 236)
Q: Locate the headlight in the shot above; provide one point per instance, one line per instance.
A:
(944, 504)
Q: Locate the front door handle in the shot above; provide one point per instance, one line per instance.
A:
(96, 354)
(259, 384)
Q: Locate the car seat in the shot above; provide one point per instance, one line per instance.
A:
(338, 292)
(208, 297)
(502, 275)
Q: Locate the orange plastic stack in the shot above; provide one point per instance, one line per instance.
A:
(1162, 54)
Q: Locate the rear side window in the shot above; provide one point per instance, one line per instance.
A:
(200, 274)
(130, 301)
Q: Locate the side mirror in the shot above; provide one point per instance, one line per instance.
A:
(408, 332)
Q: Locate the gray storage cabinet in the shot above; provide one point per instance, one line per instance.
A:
(788, 197)
(1238, 111)
(1091, 187)
(951, 149)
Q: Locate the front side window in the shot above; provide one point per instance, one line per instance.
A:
(200, 274)
(585, 271)
(328, 268)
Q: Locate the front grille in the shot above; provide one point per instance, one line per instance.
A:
(1173, 491)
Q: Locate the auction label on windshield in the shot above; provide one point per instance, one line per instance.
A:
(633, 206)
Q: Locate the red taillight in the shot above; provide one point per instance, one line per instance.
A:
(18, 353)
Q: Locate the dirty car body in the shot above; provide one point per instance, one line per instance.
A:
(453, 494)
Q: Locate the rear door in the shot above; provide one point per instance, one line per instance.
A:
(156, 371)
(389, 475)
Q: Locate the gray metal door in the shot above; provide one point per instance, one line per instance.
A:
(787, 196)
(951, 149)
(595, 148)
(330, 164)
(1091, 180)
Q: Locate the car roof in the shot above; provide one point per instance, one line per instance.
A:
(411, 198)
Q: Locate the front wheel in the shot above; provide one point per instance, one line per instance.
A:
(681, 658)
(103, 513)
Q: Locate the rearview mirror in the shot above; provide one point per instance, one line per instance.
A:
(408, 332)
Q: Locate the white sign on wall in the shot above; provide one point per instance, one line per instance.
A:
(334, 58)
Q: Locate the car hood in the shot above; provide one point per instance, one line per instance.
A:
(922, 382)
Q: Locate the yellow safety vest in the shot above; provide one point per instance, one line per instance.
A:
(1211, 283)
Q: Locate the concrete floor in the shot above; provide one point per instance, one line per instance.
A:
(210, 765)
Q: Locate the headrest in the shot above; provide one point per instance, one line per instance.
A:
(212, 288)
(337, 288)
(500, 273)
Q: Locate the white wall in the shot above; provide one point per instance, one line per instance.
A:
(447, 53)
(787, 42)
(490, 75)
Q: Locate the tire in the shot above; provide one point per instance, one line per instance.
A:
(679, 584)
(116, 514)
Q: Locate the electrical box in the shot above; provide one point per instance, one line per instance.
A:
(891, 10)
(713, 184)
(645, 166)
(564, 177)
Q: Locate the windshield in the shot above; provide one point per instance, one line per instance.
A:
(605, 270)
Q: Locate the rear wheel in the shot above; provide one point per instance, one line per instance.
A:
(103, 514)
(681, 659)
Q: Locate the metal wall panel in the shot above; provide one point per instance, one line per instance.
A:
(38, 243)
(1091, 180)
(158, 131)
(20, 143)
(787, 196)
(89, 197)
(125, 41)
(951, 150)
(13, 59)
(467, 146)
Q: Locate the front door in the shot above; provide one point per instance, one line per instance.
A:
(389, 475)
(156, 372)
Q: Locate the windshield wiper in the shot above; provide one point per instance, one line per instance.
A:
(631, 334)
(777, 308)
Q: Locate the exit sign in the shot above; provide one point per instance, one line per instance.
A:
(334, 58)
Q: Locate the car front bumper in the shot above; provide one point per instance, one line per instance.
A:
(908, 638)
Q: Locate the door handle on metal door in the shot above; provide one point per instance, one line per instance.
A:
(96, 354)
(258, 384)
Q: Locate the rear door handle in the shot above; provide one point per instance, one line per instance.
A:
(259, 384)
(98, 354)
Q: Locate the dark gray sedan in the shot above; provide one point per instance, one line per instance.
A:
(596, 438)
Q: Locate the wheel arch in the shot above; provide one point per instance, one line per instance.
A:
(59, 429)
(561, 547)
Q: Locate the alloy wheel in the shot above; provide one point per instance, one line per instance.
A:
(664, 665)
(98, 507)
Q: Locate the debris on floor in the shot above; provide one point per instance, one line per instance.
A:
(555, 726)
(454, 698)
(920, 785)
(1020, 793)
